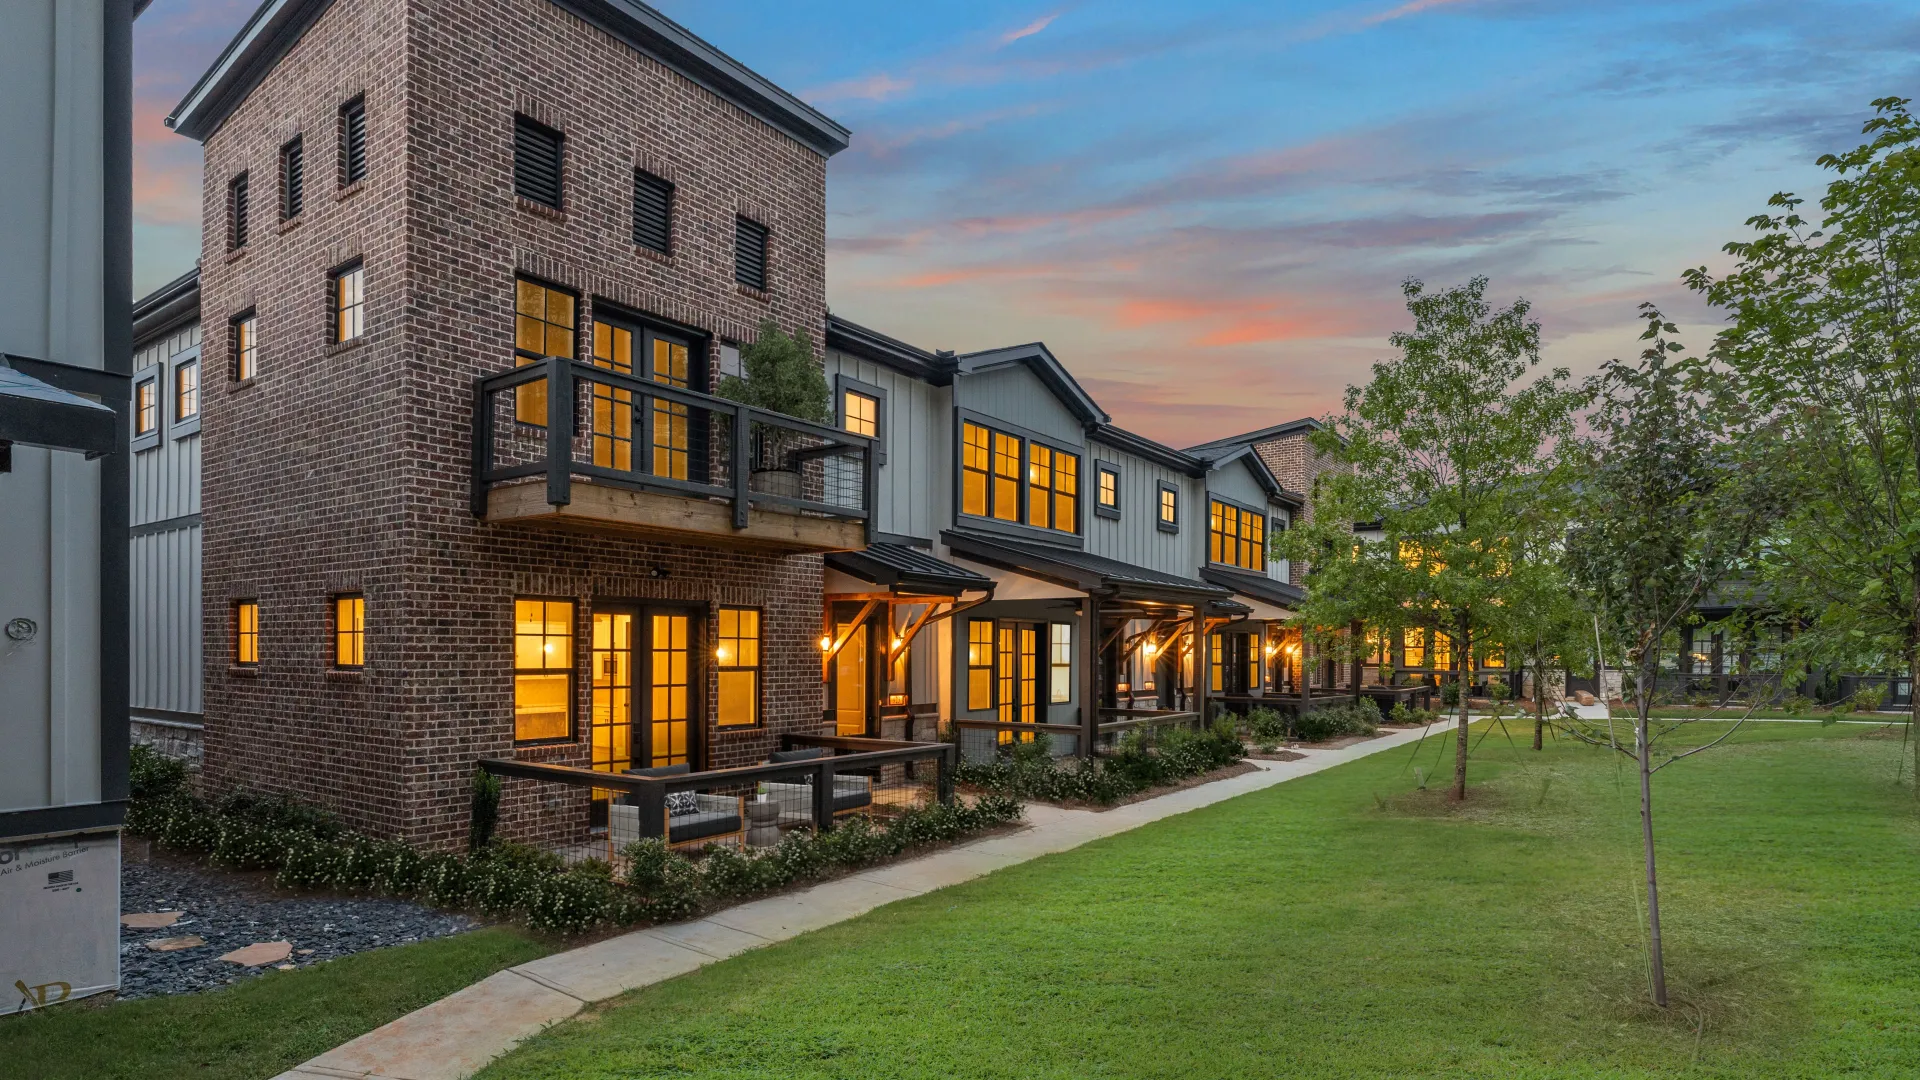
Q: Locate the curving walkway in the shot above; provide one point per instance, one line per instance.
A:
(456, 1036)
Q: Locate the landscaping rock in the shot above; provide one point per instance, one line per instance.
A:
(175, 944)
(232, 911)
(150, 920)
(260, 952)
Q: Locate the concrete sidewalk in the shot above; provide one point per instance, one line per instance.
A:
(459, 1034)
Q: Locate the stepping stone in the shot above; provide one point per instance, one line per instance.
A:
(304, 952)
(150, 920)
(175, 944)
(260, 952)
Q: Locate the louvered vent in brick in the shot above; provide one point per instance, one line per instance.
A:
(652, 211)
(536, 162)
(750, 253)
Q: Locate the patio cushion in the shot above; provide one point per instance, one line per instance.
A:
(781, 757)
(696, 826)
(662, 770)
(680, 803)
(849, 793)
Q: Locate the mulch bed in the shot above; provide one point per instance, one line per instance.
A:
(231, 910)
(1274, 755)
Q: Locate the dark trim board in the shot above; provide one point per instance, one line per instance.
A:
(172, 524)
(169, 717)
(53, 820)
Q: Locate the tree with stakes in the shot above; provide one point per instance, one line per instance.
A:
(1451, 460)
(1669, 509)
(1824, 334)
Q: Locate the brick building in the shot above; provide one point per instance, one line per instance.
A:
(403, 197)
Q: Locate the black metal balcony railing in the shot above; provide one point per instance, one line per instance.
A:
(565, 420)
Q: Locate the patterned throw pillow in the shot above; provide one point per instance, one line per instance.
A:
(680, 803)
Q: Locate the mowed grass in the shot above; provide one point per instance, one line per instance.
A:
(259, 1027)
(1347, 925)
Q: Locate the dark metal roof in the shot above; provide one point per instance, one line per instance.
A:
(166, 308)
(1258, 586)
(1051, 371)
(1265, 434)
(1141, 446)
(1080, 569)
(277, 25)
(36, 411)
(897, 565)
(849, 336)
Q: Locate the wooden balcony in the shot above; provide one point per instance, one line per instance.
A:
(615, 454)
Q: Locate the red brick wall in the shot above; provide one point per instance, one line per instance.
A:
(1296, 464)
(346, 468)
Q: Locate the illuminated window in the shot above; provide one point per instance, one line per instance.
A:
(542, 327)
(348, 300)
(1236, 537)
(1060, 662)
(1169, 510)
(862, 413)
(1416, 646)
(542, 670)
(973, 470)
(979, 663)
(246, 346)
(246, 632)
(737, 655)
(146, 408)
(612, 405)
(1107, 491)
(1216, 663)
(1442, 652)
(1006, 477)
(1006, 692)
(349, 631)
(1494, 657)
(671, 440)
(1053, 486)
(186, 390)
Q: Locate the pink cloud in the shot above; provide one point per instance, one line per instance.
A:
(879, 86)
(1028, 30)
(1411, 7)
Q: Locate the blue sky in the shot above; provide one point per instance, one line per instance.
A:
(1206, 209)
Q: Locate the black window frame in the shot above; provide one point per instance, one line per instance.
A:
(353, 140)
(661, 188)
(758, 668)
(1159, 520)
(745, 230)
(238, 656)
(575, 609)
(234, 350)
(293, 178)
(846, 384)
(146, 440)
(239, 207)
(1107, 468)
(531, 138)
(1249, 513)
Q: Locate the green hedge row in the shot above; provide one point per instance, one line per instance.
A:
(1029, 770)
(308, 849)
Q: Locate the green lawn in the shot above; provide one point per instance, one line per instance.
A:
(256, 1028)
(1346, 926)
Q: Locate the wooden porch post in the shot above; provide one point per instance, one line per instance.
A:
(1092, 681)
(1201, 669)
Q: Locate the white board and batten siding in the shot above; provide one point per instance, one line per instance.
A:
(914, 493)
(164, 570)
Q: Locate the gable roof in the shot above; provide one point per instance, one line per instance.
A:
(277, 25)
(1265, 434)
(1042, 362)
(167, 308)
(849, 336)
(1219, 457)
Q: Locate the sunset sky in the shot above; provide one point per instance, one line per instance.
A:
(1206, 209)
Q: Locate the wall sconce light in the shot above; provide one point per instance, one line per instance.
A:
(720, 654)
(825, 643)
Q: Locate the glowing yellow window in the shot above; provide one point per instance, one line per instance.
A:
(670, 366)
(973, 470)
(1039, 486)
(979, 664)
(1066, 492)
(1416, 647)
(737, 655)
(246, 632)
(1006, 477)
(862, 413)
(542, 327)
(542, 670)
(612, 405)
(349, 631)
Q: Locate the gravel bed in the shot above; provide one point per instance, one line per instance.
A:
(233, 910)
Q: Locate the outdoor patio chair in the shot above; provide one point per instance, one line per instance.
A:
(851, 793)
(692, 817)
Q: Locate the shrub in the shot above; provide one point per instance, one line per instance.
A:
(486, 809)
(308, 862)
(1331, 722)
(1450, 695)
(153, 775)
(1867, 698)
(571, 902)
(1268, 725)
(1797, 704)
(1405, 714)
(1135, 764)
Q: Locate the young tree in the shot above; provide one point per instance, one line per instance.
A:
(1446, 453)
(1668, 510)
(1824, 337)
(1543, 620)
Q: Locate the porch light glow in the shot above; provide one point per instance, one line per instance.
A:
(1148, 648)
(720, 654)
(825, 643)
(897, 642)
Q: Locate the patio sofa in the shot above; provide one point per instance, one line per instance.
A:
(851, 793)
(692, 817)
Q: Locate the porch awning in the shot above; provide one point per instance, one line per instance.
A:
(1268, 598)
(40, 414)
(901, 567)
(1083, 570)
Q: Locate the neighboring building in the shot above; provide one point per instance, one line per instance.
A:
(164, 524)
(65, 267)
(404, 197)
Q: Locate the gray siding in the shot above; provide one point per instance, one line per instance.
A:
(1015, 394)
(1236, 483)
(915, 481)
(1135, 538)
(164, 566)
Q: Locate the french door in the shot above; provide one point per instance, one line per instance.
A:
(669, 436)
(1021, 687)
(644, 707)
